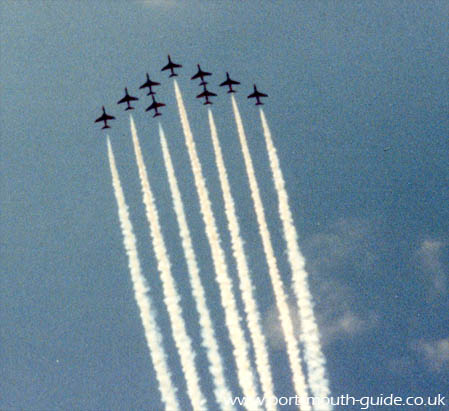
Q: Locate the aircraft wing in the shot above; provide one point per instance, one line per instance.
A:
(123, 100)
(104, 117)
(151, 107)
(257, 94)
(167, 67)
(200, 74)
(131, 98)
(171, 65)
(229, 83)
(150, 84)
(205, 93)
(154, 106)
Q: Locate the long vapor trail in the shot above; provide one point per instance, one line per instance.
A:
(152, 332)
(245, 373)
(216, 368)
(293, 352)
(171, 296)
(246, 286)
(309, 335)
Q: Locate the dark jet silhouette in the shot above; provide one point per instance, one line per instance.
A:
(257, 95)
(127, 99)
(201, 74)
(171, 66)
(150, 84)
(229, 82)
(154, 106)
(206, 94)
(104, 117)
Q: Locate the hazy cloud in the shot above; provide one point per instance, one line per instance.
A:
(346, 240)
(346, 243)
(429, 255)
(349, 324)
(435, 353)
(332, 326)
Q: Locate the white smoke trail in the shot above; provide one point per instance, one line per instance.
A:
(245, 373)
(171, 296)
(152, 333)
(309, 335)
(246, 286)
(216, 367)
(278, 288)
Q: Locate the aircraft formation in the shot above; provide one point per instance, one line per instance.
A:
(156, 105)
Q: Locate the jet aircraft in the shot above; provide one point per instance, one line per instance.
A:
(171, 66)
(127, 99)
(150, 84)
(104, 117)
(257, 95)
(206, 94)
(229, 82)
(154, 106)
(201, 74)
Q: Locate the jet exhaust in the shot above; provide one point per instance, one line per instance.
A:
(245, 373)
(209, 340)
(293, 351)
(245, 284)
(171, 296)
(309, 335)
(151, 329)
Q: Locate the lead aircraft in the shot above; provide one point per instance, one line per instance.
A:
(171, 66)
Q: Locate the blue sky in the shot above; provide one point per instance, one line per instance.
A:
(358, 107)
